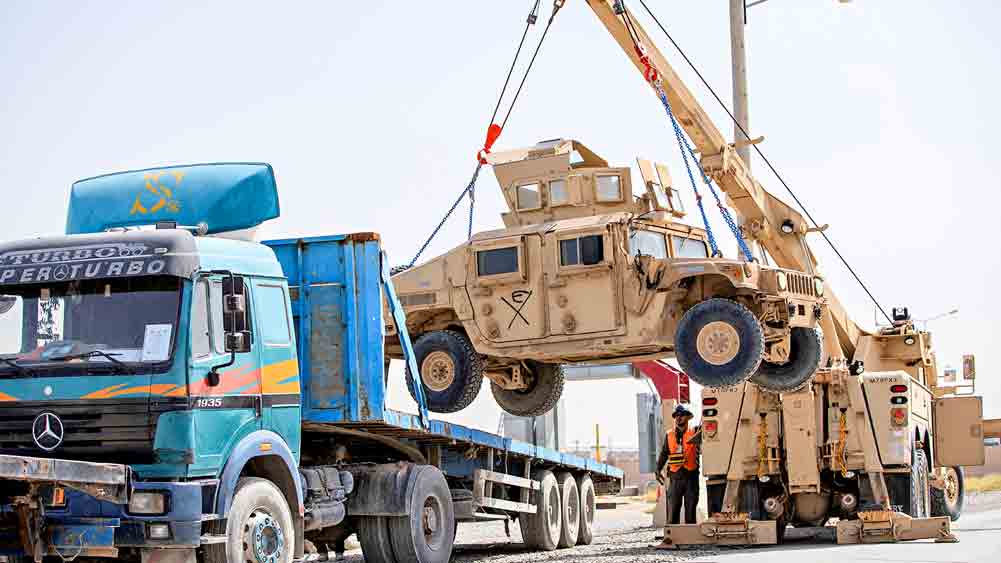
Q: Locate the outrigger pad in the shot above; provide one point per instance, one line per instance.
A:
(723, 529)
(885, 526)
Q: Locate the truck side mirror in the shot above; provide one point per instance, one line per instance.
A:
(234, 315)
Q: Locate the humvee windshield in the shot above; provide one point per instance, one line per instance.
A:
(688, 247)
(102, 324)
(648, 243)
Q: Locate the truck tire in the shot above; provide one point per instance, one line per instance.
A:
(258, 526)
(569, 510)
(949, 501)
(540, 398)
(719, 343)
(714, 498)
(451, 370)
(373, 535)
(804, 359)
(542, 530)
(428, 534)
(588, 504)
(917, 505)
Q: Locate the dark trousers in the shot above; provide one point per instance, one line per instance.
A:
(684, 487)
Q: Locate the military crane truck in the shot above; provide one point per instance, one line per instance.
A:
(172, 391)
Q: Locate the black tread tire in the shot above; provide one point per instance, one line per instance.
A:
(539, 530)
(468, 370)
(540, 398)
(918, 505)
(588, 505)
(804, 358)
(373, 535)
(737, 370)
(569, 509)
(780, 530)
(251, 494)
(407, 534)
(940, 505)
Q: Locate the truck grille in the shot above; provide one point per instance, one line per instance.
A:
(119, 431)
(801, 284)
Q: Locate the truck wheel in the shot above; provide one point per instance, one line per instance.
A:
(588, 504)
(804, 359)
(569, 510)
(949, 501)
(258, 526)
(373, 535)
(427, 535)
(719, 342)
(451, 370)
(539, 398)
(542, 530)
(919, 501)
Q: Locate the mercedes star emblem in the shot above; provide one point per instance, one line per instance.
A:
(47, 431)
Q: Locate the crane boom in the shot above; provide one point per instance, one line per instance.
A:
(761, 214)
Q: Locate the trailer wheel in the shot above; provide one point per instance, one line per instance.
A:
(428, 534)
(451, 370)
(804, 359)
(569, 509)
(373, 535)
(588, 504)
(949, 501)
(542, 530)
(539, 398)
(719, 342)
(258, 526)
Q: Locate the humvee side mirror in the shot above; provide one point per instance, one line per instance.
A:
(7, 303)
(236, 329)
(969, 368)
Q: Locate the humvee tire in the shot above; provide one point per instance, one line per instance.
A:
(804, 359)
(719, 342)
(540, 398)
(949, 501)
(451, 370)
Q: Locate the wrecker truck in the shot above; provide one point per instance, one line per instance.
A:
(172, 391)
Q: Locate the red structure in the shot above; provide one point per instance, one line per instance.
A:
(671, 383)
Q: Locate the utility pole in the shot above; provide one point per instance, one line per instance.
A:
(738, 54)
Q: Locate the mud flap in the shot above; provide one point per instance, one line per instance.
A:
(86, 537)
(884, 526)
(723, 530)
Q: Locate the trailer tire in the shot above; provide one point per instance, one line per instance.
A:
(569, 510)
(259, 524)
(428, 534)
(373, 535)
(719, 342)
(588, 504)
(543, 529)
(949, 501)
(804, 359)
(540, 398)
(451, 370)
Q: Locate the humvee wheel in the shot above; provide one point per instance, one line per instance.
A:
(719, 342)
(949, 501)
(804, 359)
(451, 370)
(543, 391)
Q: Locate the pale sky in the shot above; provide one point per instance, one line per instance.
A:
(881, 114)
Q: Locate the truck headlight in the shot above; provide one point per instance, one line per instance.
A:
(143, 502)
(818, 286)
(782, 281)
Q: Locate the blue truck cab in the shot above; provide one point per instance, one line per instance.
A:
(171, 390)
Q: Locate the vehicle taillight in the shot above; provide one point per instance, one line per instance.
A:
(711, 427)
(709, 401)
(709, 412)
(898, 416)
(898, 388)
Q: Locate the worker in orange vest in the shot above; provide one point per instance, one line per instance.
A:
(680, 454)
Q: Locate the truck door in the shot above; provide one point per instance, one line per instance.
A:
(958, 427)
(506, 290)
(584, 297)
(279, 373)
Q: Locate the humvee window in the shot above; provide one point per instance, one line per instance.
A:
(558, 193)
(528, 196)
(583, 251)
(661, 194)
(676, 201)
(688, 248)
(609, 188)
(648, 243)
(497, 261)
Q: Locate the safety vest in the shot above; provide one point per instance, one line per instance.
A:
(682, 455)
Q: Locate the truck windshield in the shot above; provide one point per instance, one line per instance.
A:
(114, 323)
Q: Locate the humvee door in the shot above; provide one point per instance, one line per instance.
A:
(583, 294)
(505, 287)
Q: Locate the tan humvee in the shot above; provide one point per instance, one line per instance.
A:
(584, 271)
